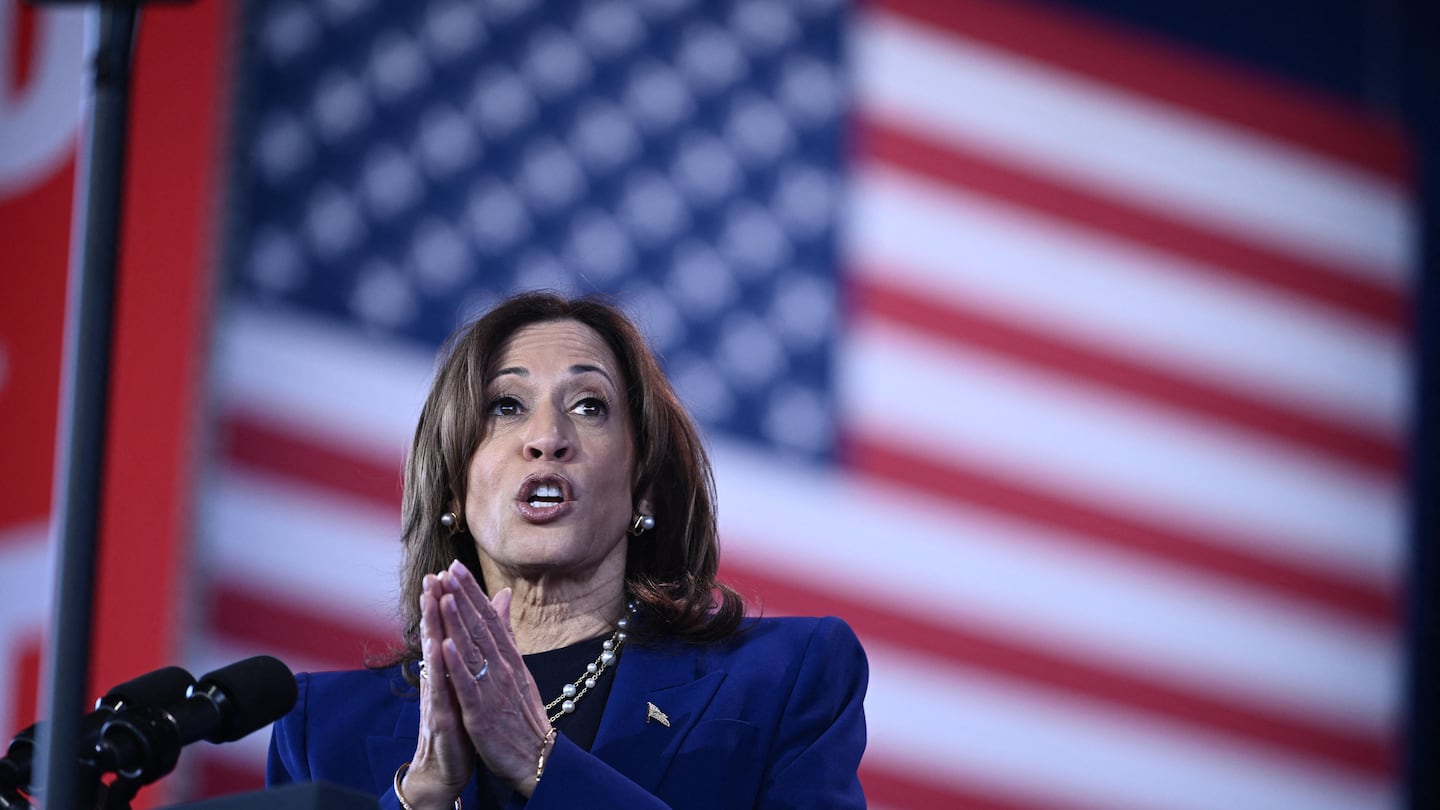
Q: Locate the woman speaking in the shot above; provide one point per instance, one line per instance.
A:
(566, 641)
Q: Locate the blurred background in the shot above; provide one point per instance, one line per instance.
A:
(1074, 352)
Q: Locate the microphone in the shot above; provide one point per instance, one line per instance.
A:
(143, 744)
(156, 688)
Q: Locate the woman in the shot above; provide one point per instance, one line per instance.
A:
(563, 625)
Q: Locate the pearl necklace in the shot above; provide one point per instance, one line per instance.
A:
(609, 651)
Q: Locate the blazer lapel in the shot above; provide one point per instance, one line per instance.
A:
(387, 753)
(649, 683)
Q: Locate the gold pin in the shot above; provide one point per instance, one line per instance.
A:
(652, 712)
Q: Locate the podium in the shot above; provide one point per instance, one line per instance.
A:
(304, 796)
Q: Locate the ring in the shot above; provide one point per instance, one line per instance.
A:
(484, 670)
(424, 673)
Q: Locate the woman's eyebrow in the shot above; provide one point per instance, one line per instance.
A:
(581, 368)
(578, 368)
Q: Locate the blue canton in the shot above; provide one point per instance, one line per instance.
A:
(400, 166)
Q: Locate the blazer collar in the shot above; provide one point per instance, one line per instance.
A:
(667, 677)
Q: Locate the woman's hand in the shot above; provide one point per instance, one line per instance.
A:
(503, 713)
(444, 758)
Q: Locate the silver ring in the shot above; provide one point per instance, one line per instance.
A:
(424, 673)
(484, 670)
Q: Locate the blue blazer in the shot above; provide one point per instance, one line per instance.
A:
(773, 717)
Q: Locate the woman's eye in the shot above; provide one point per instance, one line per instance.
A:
(505, 406)
(591, 406)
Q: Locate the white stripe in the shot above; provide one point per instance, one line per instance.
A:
(913, 554)
(1069, 752)
(1064, 436)
(322, 380)
(947, 243)
(304, 545)
(1150, 153)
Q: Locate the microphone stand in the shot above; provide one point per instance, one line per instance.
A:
(119, 793)
(80, 455)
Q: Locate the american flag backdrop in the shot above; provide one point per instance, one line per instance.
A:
(1070, 367)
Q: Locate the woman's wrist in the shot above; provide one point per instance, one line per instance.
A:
(414, 794)
(547, 745)
(526, 786)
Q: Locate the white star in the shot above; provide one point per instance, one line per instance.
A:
(389, 182)
(398, 66)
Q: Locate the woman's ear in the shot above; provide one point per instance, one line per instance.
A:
(643, 520)
(645, 504)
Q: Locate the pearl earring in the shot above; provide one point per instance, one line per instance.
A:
(451, 521)
(642, 524)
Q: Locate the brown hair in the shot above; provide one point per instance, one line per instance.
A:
(670, 571)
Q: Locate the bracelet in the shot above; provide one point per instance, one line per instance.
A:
(545, 743)
(399, 774)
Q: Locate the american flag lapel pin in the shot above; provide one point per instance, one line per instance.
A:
(652, 712)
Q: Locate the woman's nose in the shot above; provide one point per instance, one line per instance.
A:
(548, 436)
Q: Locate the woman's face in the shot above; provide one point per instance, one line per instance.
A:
(549, 489)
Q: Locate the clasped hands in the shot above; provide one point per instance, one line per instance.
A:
(498, 715)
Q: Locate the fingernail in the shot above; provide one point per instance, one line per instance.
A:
(458, 569)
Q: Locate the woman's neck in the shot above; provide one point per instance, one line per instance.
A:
(546, 614)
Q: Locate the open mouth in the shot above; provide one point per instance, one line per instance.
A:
(544, 497)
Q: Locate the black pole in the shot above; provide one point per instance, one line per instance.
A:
(80, 458)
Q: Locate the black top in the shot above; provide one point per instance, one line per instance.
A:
(551, 670)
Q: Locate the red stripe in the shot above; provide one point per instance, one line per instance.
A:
(1352, 596)
(218, 775)
(1351, 291)
(24, 665)
(22, 57)
(252, 441)
(972, 328)
(35, 230)
(285, 627)
(1147, 65)
(888, 788)
(974, 647)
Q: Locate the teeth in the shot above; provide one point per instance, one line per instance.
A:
(546, 495)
